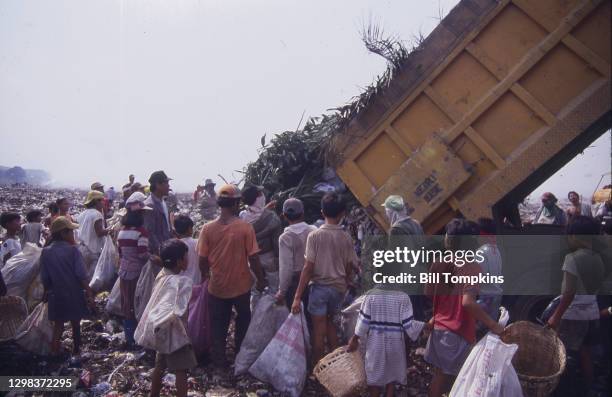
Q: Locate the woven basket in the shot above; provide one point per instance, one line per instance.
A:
(13, 312)
(540, 358)
(342, 373)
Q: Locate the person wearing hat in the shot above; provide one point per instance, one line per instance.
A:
(133, 246)
(157, 221)
(91, 230)
(268, 229)
(291, 250)
(97, 186)
(406, 232)
(550, 213)
(226, 247)
(65, 282)
(208, 205)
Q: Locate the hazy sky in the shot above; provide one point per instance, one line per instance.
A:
(95, 90)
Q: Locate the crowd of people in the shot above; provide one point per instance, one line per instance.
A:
(245, 251)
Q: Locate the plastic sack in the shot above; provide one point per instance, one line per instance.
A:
(349, 318)
(35, 292)
(283, 362)
(144, 287)
(198, 324)
(113, 305)
(488, 370)
(36, 332)
(21, 269)
(267, 318)
(90, 259)
(105, 270)
(161, 327)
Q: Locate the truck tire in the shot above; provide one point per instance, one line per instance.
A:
(529, 307)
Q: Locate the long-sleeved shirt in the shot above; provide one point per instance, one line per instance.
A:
(291, 250)
(156, 223)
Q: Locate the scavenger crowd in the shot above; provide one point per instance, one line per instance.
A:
(247, 254)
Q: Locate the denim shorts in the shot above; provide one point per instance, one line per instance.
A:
(324, 300)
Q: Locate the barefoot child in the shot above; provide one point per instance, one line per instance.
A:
(62, 273)
(174, 258)
(384, 317)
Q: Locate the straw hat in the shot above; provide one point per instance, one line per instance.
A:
(60, 223)
(93, 195)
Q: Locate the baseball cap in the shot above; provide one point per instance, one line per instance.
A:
(229, 191)
(96, 185)
(159, 177)
(136, 202)
(394, 202)
(61, 222)
(293, 206)
(208, 182)
(93, 195)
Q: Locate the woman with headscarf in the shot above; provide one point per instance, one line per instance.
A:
(549, 213)
(406, 232)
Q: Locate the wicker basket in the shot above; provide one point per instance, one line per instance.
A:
(342, 373)
(13, 312)
(540, 358)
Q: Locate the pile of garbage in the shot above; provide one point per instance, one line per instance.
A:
(103, 369)
(22, 198)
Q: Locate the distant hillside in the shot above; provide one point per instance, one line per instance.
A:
(10, 175)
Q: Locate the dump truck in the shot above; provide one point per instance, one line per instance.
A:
(497, 98)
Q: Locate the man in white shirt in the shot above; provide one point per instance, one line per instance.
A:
(291, 250)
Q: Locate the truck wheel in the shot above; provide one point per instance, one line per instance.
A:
(529, 307)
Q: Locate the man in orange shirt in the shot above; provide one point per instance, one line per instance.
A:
(226, 247)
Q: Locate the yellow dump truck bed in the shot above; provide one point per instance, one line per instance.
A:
(499, 90)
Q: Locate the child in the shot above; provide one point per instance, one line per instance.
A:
(384, 317)
(63, 277)
(32, 231)
(174, 255)
(64, 205)
(53, 213)
(455, 311)
(292, 246)
(577, 316)
(183, 225)
(133, 244)
(329, 260)
(10, 245)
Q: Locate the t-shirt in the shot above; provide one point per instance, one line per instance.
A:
(9, 245)
(448, 311)
(193, 267)
(31, 233)
(228, 247)
(292, 246)
(331, 250)
(133, 245)
(87, 230)
(588, 268)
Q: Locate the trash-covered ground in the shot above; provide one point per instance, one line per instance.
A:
(104, 369)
